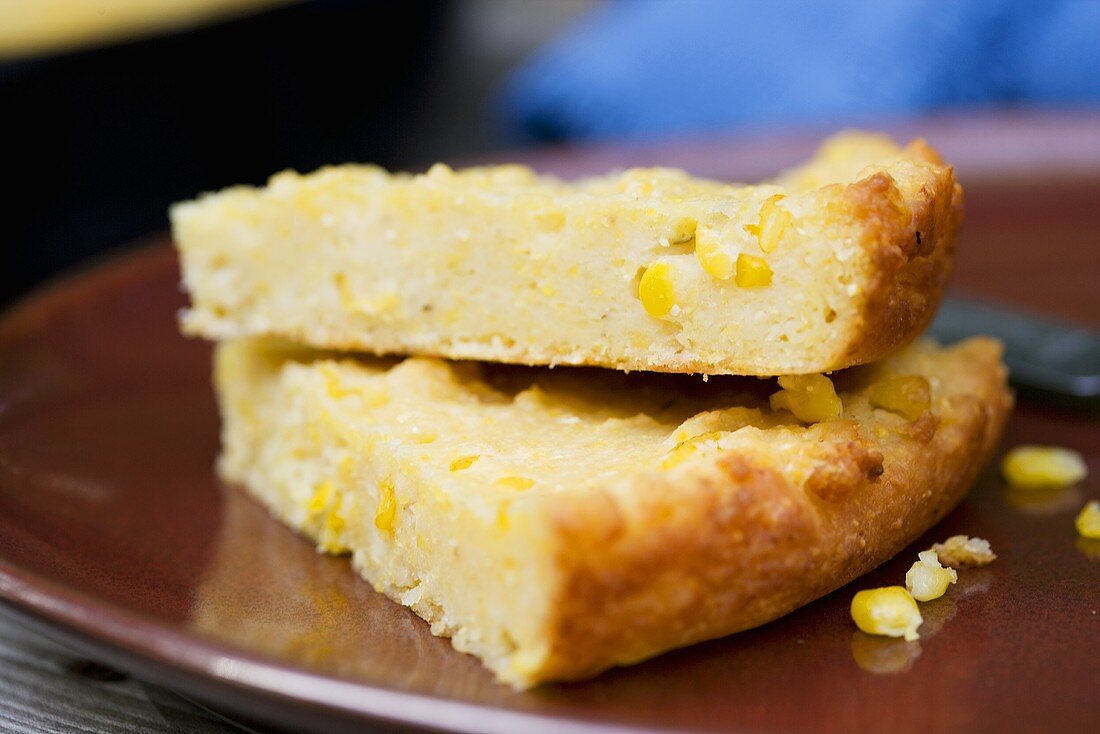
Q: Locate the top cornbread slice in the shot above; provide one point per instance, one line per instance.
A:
(837, 263)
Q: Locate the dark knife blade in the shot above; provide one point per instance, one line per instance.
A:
(1041, 353)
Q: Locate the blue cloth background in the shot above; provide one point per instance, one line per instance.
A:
(646, 68)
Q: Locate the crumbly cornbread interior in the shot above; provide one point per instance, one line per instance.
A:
(498, 501)
(836, 263)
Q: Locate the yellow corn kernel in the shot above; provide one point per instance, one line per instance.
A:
(678, 455)
(655, 290)
(927, 579)
(811, 398)
(551, 221)
(889, 611)
(961, 550)
(422, 435)
(372, 397)
(774, 221)
(334, 525)
(464, 462)
(1043, 466)
(907, 396)
(752, 271)
(502, 515)
(689, 447)
(335, 522)
(377, 303)
(333, 386)
(683, 231)
(319, 502)
(1088, 522)
(516, 482)
(386, 513)
(716, 262)
(371, 304)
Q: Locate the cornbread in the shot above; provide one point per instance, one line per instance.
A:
(559, 522)
(837, 263)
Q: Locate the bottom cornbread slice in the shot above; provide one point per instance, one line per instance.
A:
(559, 522)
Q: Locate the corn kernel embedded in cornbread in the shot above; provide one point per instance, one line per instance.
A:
(683, 231)
(387, 506)
(1043, 466)
(712, 257)
(774, 221)
(464, 462)
(678, 455)
(752, 271)
(889, 611)
(319, 502)
(908, 396)
(513, 482)
(811, 398)
(656, 291)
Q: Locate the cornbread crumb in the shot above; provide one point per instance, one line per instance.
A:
(960, 551)
(1043, 466)
(1088, 521)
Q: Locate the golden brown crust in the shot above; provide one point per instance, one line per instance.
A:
(736, 543)
(911, 243)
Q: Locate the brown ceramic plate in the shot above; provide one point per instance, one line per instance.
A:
(116, 538)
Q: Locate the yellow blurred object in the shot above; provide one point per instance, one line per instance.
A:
(889, 611)
(1088, 522)
(32, 27)
(1043, 466)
